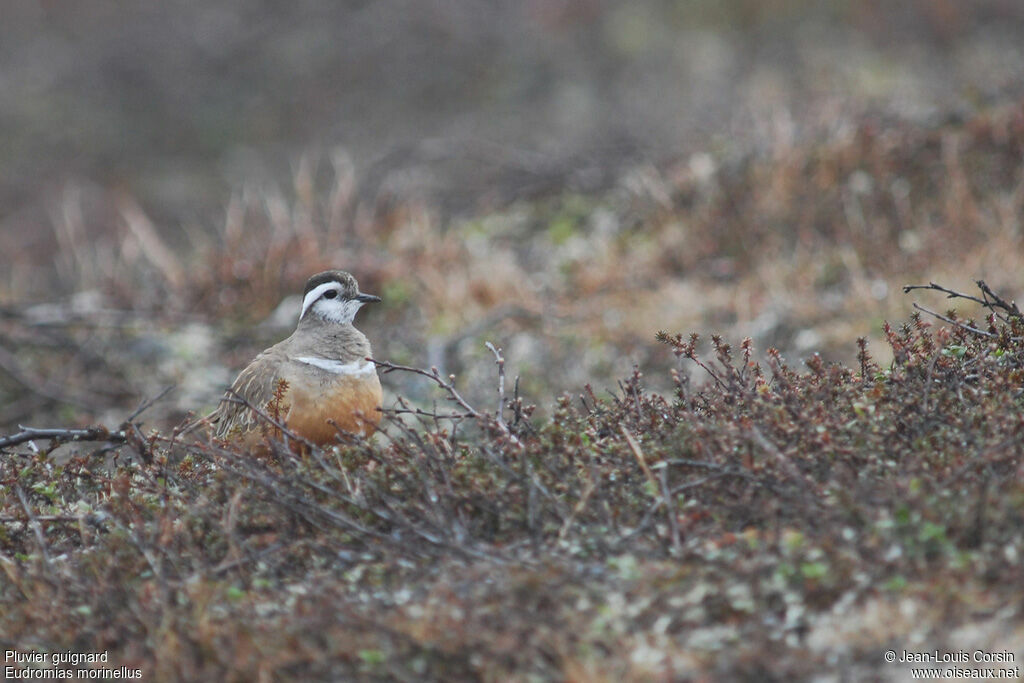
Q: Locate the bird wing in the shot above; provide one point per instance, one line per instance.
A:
(253, 388)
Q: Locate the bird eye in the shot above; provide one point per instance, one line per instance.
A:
(331, 294)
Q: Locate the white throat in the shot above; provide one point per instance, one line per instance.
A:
(335, 310)
(357, 367)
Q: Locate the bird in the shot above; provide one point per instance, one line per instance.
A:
(316, 381)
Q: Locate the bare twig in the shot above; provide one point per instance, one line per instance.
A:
(965, 326)
(688, 350)
(683, 462)
(517, 404)
(434, 375)
(666, 498)
(98, 433)
(950, 293)
(670, 510)
(448, 386)
(992, 300)
(262, 414)
(426, 413)
(989, 299)
(499, 360)
(11, 519)
(639, 454)
(95, 433)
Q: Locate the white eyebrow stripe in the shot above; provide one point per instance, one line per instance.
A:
(315, 294)
(337, 367)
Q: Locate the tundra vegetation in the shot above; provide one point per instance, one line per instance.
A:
(593, 465)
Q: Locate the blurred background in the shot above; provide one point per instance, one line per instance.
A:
(561, 177)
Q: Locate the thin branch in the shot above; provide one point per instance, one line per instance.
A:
(426, 413)
(448, 386)
(950, 293)
(994, 300)
(683, 462)
(499, 360)
(435, 376)
(670, 510)
(277, 424)
(12, 519)
(639, 454)
(965, 326)
(989, 299)
(97, 433)
(405, 408)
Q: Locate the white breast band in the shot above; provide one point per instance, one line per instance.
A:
(358, 367)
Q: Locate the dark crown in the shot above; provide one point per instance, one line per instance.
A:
(348, 283)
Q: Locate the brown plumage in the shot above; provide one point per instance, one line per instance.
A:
(323, 365)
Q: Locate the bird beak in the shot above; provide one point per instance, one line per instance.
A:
(366, 298)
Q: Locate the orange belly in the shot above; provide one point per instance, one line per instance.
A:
(351, 405)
